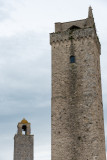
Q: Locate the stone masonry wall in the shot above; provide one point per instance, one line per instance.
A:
(84, 23)
(23, 147)
(77, 111)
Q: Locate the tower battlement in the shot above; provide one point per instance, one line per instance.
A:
(75, 34)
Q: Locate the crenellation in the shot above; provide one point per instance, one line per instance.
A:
(76, 34)
(60, 36)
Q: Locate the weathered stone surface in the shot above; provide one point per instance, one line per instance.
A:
(23, 147)
(77, 111)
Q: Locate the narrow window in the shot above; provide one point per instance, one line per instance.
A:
(72, 59)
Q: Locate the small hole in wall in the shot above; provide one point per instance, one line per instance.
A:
(72, 59)
(79, 138)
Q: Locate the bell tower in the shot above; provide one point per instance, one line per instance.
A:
(23, 142)
(77, 109)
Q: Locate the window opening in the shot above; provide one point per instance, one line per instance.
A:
(74, 27)
(24, 129)
(72, 59)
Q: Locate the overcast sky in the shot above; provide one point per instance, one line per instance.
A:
(25, 65)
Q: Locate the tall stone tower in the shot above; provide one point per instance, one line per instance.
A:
(23, 142)
(77, 111)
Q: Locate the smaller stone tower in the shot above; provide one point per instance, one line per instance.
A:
(23, 142)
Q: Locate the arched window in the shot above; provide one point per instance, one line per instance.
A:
(24, 129)
(72, 59)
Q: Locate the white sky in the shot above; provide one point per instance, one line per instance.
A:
(25, 65)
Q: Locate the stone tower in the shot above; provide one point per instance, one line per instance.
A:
(77, 110)
(23, 142)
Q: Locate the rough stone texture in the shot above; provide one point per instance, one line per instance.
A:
(23, 147)
(77, 111)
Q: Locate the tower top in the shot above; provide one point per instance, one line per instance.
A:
(23, 127)
(24, 121)
(82, 24)
(90, 13)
